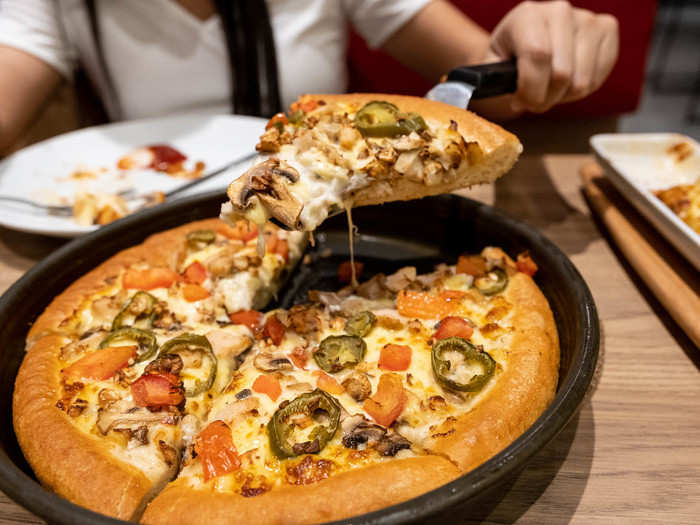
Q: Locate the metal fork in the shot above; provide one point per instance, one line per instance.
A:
(130, 194)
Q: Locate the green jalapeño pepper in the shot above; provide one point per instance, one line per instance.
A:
(360, 324)
(493, 282)
(447, 372)
(336, 352)
(139, 312)
(383, 119)
(144, 339)
(296, 118)
(323, 409)
(199, 362)
(198, 239)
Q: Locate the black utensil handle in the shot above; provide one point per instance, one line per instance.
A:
(489, 80)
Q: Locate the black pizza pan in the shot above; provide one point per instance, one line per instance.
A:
(420, 233)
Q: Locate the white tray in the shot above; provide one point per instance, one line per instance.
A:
(640, 163)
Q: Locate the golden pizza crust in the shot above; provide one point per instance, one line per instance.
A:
(69, 462)
(520, 393)
(347, 494)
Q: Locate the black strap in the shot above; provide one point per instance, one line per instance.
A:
(95, 29)
(251, 52)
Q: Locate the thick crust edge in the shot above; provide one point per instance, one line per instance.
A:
(523, 391)
(347, 494)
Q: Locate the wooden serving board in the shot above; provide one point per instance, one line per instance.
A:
(668, 275)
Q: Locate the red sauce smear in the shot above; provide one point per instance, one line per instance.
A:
(165, 156)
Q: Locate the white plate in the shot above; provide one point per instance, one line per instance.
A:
(40, 172)
(640, 163)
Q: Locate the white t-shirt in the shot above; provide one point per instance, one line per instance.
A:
(162, 59)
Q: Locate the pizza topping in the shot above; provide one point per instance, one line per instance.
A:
(288, 439)
(345, 271)
(327, 383)
(268, 385)
(474, 265)
(101, 364)
(309, 470)
(144, 339)
(337, 352)
(361, 324)
(139, 312)
(250, 318)
(195, 273)
(525, 264)
(194, 292)
(198, 239)
(305, 319)
(388, 401)
(226, 344)
(424, 305)
(383, 119)
(272, 362)
(214, 446)
(165, 363)
(299, 357)
(453, 327)
(199, 361)
(274, 329)
(395, 357)
(459, 365)
(157, 390)
(122, 415)
(358, 432)
(241, 230)
(492, 283)
(149, 279)
(357, 386)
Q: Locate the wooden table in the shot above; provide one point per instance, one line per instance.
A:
(632, 455)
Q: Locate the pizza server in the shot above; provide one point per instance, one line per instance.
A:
(464, 83)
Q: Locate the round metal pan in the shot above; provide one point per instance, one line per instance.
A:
(421, 233)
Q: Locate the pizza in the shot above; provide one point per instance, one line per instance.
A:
(335, 152)
(158, 387)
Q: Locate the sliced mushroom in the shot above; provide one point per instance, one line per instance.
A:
(358, 431)
(272, 362)
(391, 443)
(266, 180)
(122, 415)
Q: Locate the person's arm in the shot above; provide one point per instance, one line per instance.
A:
(25, 84)
(563, 53)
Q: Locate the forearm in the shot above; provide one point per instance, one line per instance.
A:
(439, 38)
(25, 84)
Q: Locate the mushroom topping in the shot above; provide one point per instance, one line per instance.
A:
(358, 431)
(231, 411)
(120, 415)
(136, 437)
(266, 180)
(244, 394)
(269, 362)
(357, 386)
(168, 452)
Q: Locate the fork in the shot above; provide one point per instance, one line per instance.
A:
(129, 194)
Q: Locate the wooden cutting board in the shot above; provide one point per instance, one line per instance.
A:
(673, 280)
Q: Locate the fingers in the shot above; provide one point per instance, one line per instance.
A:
(561, 28)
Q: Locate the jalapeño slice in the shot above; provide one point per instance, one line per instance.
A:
(198, 359)
(361, 323)
(379, 118)
(336, 352)
(144, 339)
(492, 283)
(322, 408)
(139, 312)
(447, 372)
(198, 239)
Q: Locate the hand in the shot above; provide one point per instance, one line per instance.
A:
(563, 54)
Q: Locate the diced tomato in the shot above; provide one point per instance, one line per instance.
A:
(194, 292)
(452, 295)
(251, 318)
(270, 242)
(424, 305)
(267, 384)
(280, 119)
(101, 364)
(474, 265)
(282, 249)
(345, 271)
(157, 389)
(243, 231)
(525, 264)
(274, 329)
(165, 156)
(395, 357)
(214, 446)
(328, 383)
(308, 105)
(388, 401)
(299, 357)
(196, 273)
(149, 278)
(454, 327)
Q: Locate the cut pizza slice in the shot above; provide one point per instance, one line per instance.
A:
(121, 366)
(335, 152)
